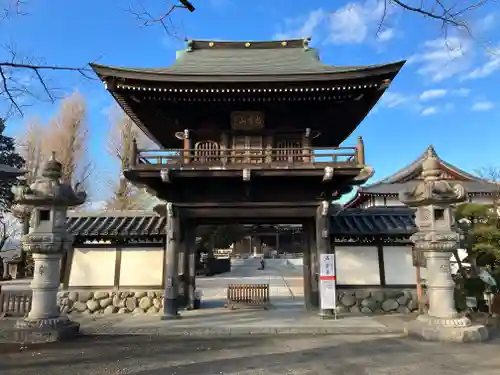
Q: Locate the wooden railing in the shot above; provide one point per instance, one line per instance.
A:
(15, 303)
(248, 295)
(269, 156)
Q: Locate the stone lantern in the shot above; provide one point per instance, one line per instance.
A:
(47, 200)
(434, 199)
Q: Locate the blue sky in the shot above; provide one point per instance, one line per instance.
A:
(447, 94)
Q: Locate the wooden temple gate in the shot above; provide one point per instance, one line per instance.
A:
(258, 145)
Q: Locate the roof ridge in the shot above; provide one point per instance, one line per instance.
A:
(199, 44)
(111, 213)
(417, 163)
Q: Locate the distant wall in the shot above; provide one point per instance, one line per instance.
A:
(92, 266)
(106, 266)
(398, 264)
(357, 265)
(141, 266)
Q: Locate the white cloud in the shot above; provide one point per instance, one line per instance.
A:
(433, 94)
(393, 99)
(483, 106)
(443, 58)
(429, 111)
(302, 27)
(385, 35)
(488, 68)
(485, 23)
(461, 92)
(353, 23)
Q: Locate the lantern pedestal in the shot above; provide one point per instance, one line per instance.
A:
(458, 330)
(434, 199)
(40, 331)
(47, 200)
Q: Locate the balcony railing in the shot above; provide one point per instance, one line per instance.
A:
(264, 157)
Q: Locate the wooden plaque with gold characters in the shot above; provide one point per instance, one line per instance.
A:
(247, 120)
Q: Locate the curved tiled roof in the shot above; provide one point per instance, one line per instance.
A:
(403, 179)
(219, 61)
(144, 225)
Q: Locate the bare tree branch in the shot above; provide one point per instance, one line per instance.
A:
(451, 13)
(123, 132)
(146, 18)
(12, 91)
(15, 84)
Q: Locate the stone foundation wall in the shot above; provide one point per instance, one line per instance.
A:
(366, 301)
(378, 301)
(110, 302)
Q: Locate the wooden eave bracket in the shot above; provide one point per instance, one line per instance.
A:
(328, 175)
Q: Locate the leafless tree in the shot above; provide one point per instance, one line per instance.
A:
(448, 13)
(164, 18)
(9, 228)
(492, 174)
(24, 78)
(122, 133)
(68, 136)
(29, 145)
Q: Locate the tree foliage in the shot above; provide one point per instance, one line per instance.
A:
(222, 236)
(10, 157)
(480, 222)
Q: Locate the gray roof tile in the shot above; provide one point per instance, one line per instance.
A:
(404, 179)
(353, 222)
(233, 59)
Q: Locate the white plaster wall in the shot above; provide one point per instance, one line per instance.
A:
(398, 265)
(481, 200)
(93, 267)
(296, 262)
(357, 265)
(141, 266)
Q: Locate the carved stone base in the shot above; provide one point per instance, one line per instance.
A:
(171, 316)
(44, 330)
(458, 330)
(326, 314)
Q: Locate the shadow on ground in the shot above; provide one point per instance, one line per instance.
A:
(156, 355)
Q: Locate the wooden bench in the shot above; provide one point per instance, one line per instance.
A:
(15, 303)
(248, 295)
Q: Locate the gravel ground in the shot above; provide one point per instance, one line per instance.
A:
(270, 355)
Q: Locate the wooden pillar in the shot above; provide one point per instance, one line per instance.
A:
(190, 266)
(360, 151)
(306, 265)
(170, 303)
(314, 266)
(323, 243)
(182, 270)
(188, 146)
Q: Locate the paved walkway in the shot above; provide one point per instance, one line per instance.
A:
(251, 355)
(144, 345)
(284, 280)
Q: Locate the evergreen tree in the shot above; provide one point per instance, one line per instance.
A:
(8, 156)
(483, 233)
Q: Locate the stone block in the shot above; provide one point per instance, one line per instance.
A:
(427, 332)
(35, 335)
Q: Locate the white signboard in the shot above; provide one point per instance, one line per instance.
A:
(327, 281)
